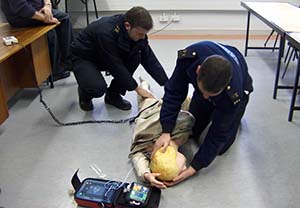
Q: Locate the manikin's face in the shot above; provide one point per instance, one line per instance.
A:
(181, 161)
(135, 33)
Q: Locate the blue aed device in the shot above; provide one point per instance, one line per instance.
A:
(96, 191)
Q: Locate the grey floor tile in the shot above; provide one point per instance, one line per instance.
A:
(261, 170)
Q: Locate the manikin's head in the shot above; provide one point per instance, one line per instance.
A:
(169, 164)
(213, 75)
(138, 22)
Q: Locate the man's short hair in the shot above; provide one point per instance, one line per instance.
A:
(215, 73)
(139, 17)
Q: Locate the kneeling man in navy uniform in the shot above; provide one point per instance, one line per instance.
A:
(222, 85)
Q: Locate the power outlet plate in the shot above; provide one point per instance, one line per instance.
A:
(163, 18)
(175, 18)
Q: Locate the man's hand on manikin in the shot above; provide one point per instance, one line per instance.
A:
(183, 175)
(163, 141)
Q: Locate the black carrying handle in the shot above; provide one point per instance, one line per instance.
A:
(76, 181)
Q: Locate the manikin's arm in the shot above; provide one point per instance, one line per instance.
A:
(141, 165)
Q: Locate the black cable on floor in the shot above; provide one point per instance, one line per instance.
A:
(59, 123)
(130, 120)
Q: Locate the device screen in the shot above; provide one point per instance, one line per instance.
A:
(139, 193)
(95, 191)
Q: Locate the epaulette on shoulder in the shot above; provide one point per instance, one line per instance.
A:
(233, 95)
(117, 29)
(186, 53)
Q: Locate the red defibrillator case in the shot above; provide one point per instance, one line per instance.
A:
(100, 193)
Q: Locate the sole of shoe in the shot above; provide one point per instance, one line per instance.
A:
(86, 107)
(61, 76)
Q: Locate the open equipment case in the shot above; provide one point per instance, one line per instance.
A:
(101, 193)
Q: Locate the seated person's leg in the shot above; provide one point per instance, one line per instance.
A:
(64, 36)
(91, 83)
(58, 71)
(23, 22)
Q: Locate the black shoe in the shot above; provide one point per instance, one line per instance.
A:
(61, 75)
(85, 105)
(117, 101)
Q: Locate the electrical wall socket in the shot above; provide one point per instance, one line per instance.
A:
(163, 18)
(175, 18)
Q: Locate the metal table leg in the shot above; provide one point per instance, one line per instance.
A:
(96, 10)
(293, 107)
(281, 47)
(247, 33)
(66, 6)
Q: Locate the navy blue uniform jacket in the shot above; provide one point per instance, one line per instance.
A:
(106, 43)
(20, 8)
(226, 103)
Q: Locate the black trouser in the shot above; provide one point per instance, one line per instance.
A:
(90, 80)
(203, 110)
(59, 39)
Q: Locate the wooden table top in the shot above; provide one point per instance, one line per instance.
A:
(25, 36)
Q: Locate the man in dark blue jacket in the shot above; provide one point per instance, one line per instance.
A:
(219, 75)
(117, 44)
(25, 13)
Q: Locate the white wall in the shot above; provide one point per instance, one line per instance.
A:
(158, 5)
(196, 16)
(200, 22)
